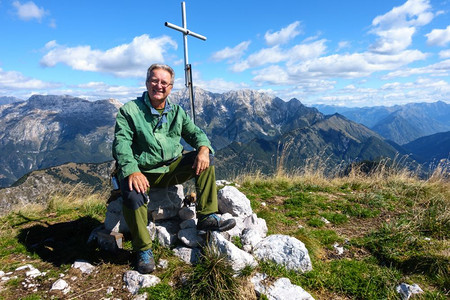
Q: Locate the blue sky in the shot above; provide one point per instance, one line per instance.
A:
(352, 53)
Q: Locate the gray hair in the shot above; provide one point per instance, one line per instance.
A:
(163, 67)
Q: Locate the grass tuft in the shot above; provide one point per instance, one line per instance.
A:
(213, 277)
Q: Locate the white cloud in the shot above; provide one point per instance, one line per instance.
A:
(29, 11)
(52, 23)
(396, 28)
(127, 60)
(275, 55)
(272, 74)
(219, 85)
(284, 35)
(343, 45)
(100, 90)
(393, 40)
(439, 69)
(13, 80)
(444, 54)
(439, 37)
(411, 13)
(262, 57)
(307, 51)
(231, 54)
(422, 89)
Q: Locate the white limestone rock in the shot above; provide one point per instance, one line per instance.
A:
(167, 232)
(190, 238)
(165, 202)
(258, 224)
(339, 249)
(280, 289)
(232, 201)
(284, 250)
(238, 258)
(187, 213)
(250, 237)
(83, 266)
(60, 285)
(114, 220)
(191, 223)
(134, 281)
(406, 290)
(188, 255)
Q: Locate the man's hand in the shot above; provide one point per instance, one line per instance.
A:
(201, 162)
(138, 182)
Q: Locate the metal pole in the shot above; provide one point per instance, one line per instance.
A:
(187, 66)
(191, 90)
(183, 19)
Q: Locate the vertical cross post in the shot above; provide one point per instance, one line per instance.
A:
(187, 66)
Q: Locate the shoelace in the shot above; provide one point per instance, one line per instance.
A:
(215, 217)
(145, 256)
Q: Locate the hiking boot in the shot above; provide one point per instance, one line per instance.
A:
(145, 261)
(213, 222)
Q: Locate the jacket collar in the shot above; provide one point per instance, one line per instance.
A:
(162, 117)
(167, 108)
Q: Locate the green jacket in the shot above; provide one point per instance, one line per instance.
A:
(145, 141)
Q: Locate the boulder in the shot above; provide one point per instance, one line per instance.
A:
(190, 238)
(134, 281)
(167, 232)
(284, 250)
(232, 201)
(238, 258)
(280, 289)
(164, 203)
(188, 255)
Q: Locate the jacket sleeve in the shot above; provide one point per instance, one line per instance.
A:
(193, 135)
(123, 139)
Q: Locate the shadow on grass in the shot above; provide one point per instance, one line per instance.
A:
(63, 243)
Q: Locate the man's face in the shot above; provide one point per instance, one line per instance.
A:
(159, 86)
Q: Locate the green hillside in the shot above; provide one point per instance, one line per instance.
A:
(393, 227)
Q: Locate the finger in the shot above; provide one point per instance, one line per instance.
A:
(130, 183)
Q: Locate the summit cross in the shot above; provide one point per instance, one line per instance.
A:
(187, 66)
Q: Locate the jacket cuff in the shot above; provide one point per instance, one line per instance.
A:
(126, 171)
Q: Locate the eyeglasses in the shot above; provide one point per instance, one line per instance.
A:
(164, 84)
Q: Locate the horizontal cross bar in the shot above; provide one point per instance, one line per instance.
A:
(185, 31)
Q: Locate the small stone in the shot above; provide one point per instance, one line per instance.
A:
(187, 213)
(324, 220)
(406, 290)
(339, 249)
(163, 264)
(33, 273)
(28, 266)
(60, 285)
(84, 267)
(191, 223)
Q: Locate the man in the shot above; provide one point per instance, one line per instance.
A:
(149, 154)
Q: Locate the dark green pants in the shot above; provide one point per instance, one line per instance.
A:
(135, 204)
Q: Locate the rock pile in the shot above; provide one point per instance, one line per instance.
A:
(174, 225)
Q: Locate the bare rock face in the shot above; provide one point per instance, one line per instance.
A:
(47, 131)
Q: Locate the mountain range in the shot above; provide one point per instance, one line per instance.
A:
(400, 123)
(47, 131)
(248, 129)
